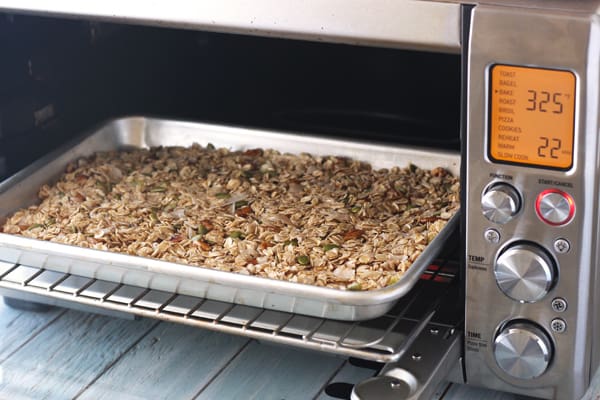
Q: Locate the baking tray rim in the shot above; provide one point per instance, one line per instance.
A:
(208, 275)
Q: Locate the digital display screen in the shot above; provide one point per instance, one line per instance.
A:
(532, 116)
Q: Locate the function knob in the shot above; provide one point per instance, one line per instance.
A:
(524, 272)
(523, 350)
(555, 207)
(500, 203)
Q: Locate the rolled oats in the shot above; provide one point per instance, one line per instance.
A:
(328, 221)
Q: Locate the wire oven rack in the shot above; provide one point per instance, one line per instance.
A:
(383, 339)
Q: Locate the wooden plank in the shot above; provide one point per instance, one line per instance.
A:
(348, 374)
(58, 354)
(69, 354)
(266, 372)
(464, 392)
(172, 362)
(17, 327)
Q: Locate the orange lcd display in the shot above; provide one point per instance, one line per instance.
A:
(532, 116)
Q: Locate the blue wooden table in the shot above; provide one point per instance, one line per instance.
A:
(67, 354)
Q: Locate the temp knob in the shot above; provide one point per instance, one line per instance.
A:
(555, 207)
(524, 272)
(523, 350)
(500, 203)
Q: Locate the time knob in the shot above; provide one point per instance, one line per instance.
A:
(523, 350)
(500, 203)
(524, 272)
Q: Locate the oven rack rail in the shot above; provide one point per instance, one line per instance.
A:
(384, 339)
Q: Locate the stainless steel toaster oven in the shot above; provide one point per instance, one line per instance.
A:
(504, 94)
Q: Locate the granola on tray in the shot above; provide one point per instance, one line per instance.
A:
(321, 220)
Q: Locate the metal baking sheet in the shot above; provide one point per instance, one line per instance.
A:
(21, 190)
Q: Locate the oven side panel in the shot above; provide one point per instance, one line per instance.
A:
(593, 118)
(496, 324)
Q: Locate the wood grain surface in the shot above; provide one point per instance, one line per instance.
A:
(17, 327)
(267, 372)
(67, 355)
(63, 354)
(178, 361)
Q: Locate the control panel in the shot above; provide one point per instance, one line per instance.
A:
(528, 231)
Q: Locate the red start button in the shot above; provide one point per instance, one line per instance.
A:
(555, 207)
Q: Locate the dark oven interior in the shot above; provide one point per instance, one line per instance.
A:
(60, 77)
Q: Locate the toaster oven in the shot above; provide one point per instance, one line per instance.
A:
(503, 92)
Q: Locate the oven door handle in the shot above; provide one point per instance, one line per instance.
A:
(433, 358)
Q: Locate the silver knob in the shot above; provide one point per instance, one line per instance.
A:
(555, 207)
(500, 203)
(523, 350)
(524, 272)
